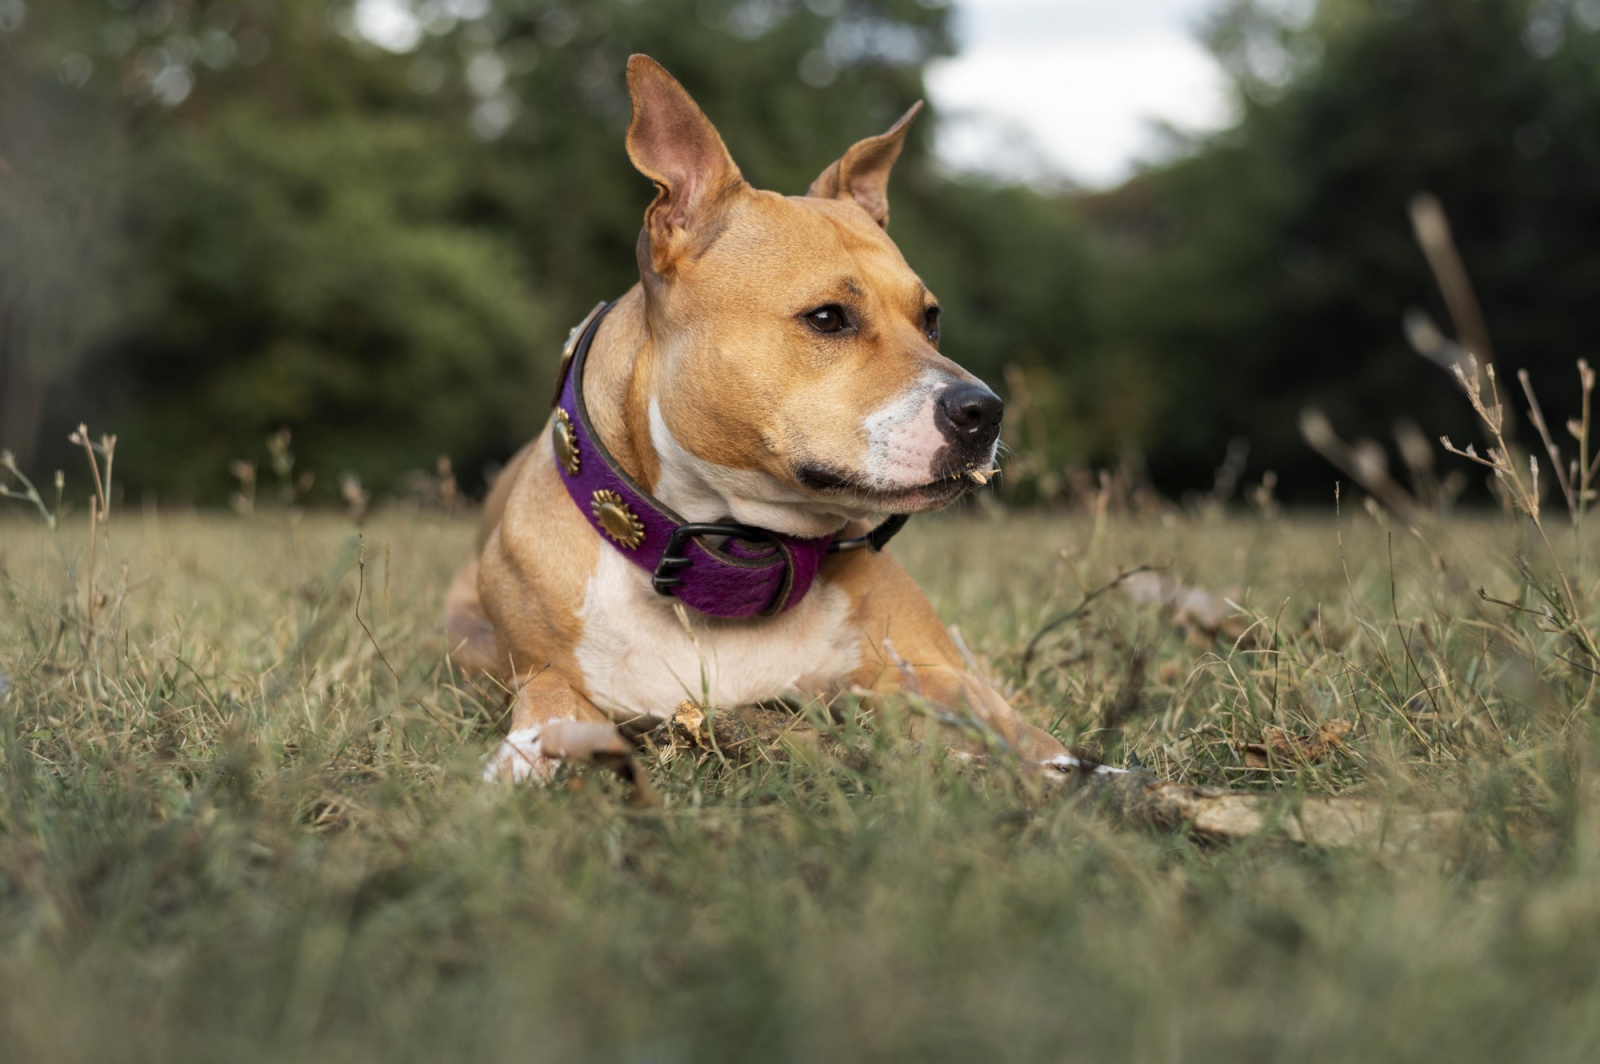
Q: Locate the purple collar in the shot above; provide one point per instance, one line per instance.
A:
(753, 572)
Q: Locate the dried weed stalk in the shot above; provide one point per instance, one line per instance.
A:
(1515, 481)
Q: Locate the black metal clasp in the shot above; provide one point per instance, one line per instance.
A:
(674, 557)
(875, 540)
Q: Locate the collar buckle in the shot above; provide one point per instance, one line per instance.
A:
(875, 540)
(674, 558)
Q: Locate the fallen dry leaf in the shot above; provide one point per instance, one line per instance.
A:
(1279, 745)
(737, 734)
(692, 719)
(1203, 615)
(1172, 674)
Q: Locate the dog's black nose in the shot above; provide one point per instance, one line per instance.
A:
(969, 414)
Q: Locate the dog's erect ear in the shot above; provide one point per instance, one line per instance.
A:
(862, 174)
(674, 144)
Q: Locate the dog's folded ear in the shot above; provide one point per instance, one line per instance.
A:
(862, 173)
(674, 144)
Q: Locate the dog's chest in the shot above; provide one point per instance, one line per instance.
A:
(637, 657)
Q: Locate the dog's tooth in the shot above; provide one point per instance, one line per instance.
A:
(981, 478)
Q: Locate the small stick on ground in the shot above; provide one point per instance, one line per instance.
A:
(1077, 611)
(1221, 815)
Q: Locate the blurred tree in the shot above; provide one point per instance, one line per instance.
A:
(282, 215)
(54, 228)
(1269, 270)
(313, 276)
(790, 85)
(371, 221)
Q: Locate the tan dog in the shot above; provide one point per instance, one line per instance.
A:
(777, 366)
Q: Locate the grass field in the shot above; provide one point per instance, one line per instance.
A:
(234, 825)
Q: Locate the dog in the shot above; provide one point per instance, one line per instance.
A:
(733, 441)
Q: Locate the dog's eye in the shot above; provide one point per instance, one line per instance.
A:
(828, 319)
(930, 324)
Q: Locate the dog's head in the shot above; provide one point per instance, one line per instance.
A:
(797, 373)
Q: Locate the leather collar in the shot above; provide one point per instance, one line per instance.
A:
(719, 568)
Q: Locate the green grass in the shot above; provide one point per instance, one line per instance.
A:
(231, 829)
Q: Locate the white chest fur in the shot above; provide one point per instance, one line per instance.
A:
(637, 658)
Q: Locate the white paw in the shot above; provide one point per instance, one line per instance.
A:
(1068, 763)
(520, 757)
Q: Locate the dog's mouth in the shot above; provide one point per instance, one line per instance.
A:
(855, 491)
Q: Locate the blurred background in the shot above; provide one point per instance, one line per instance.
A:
(371, 222)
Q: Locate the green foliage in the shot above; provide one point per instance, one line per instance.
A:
(219, 218)
(313, 276)
(1271, 269)
(382, 252)
(559, 179)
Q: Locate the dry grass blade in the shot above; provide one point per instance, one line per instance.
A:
(1432, 230)
(1077, 611)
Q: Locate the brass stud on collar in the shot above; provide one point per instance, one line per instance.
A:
(619, 522)
(565, 440)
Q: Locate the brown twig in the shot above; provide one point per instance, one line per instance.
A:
(82, 437)
(1536, 414)
(361, 586)
(89, 595)
(1077, 611)
(1405, 642)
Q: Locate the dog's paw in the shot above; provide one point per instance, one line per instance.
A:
(1067, 764)
(531, 754)
(521, 757)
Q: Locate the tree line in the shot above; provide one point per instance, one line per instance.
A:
(372, 224)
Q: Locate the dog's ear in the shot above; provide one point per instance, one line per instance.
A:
(674, 144)
(862, 173)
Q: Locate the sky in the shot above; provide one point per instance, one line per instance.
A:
(1039, 89)
(1069, 88)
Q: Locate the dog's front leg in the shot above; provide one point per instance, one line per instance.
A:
(905, 648)
(976, 716)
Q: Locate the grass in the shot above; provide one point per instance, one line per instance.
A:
(241, 820)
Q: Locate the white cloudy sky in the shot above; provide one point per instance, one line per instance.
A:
(1071, 86)
(1039, 88)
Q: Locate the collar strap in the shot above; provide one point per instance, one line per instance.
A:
(750, 572)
